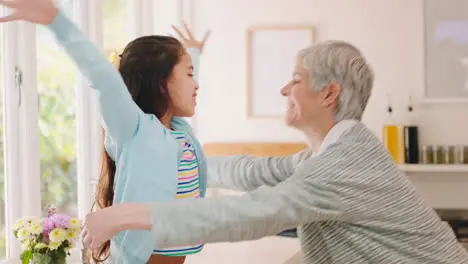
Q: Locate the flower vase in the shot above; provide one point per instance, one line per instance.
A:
(39, 258)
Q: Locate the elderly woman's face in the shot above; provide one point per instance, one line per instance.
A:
(302, 100)
(306, 105)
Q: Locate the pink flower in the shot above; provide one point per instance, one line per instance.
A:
(55, 221)
(61, 221)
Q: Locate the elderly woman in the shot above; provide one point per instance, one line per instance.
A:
(350, 202)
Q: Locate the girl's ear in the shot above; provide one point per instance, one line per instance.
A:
(163, 87)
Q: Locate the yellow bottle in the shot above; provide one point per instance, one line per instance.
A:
(391, 141)
(391, 137)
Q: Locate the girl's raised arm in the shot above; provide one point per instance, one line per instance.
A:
(119, 113)
(118, 110)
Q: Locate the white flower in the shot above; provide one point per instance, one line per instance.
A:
(25, 245)
(36, 221)
(27, 222)
(75, 223)
(35, 229)
(72, 235)
(18, 224)
(24, 234)
(31, 219)
(54, 245)
(40, 246)
(57, 235)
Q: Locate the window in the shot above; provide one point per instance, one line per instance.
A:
(115, 21)
(57, 126)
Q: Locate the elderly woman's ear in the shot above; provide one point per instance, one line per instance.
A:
(331, 95)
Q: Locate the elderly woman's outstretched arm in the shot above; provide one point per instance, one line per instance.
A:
(246, 173)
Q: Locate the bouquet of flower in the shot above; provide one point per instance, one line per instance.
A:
(48, 239)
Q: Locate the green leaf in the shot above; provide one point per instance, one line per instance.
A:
(26, 256)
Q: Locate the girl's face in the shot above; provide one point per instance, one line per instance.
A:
(183, 88)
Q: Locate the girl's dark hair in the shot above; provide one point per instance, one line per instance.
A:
(145, 65)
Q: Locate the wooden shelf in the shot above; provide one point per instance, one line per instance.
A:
(453, 168)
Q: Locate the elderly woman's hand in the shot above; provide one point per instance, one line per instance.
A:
(104, 224)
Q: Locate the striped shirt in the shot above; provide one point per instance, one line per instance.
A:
(188, 188)
(351, 204)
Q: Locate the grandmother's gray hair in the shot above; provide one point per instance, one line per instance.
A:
(342, 63)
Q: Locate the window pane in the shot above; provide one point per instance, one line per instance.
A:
(57, 127)
(2, 175)
(115, 25)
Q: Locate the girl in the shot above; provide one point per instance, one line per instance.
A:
(151, 154)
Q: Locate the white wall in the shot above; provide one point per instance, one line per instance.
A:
(390, 34)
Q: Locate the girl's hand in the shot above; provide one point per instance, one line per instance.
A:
(189, 41)
(35, 11)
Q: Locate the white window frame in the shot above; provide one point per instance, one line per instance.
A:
(10, 98)
(28, 122)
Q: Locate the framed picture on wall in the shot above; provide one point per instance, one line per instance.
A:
(271, 55)
(445, 51)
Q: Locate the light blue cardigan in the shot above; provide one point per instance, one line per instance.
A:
(146, 153)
